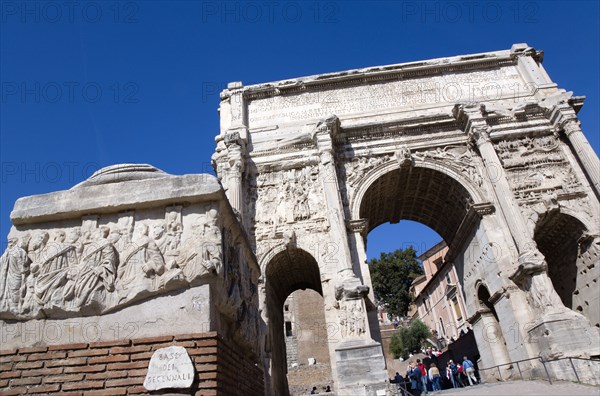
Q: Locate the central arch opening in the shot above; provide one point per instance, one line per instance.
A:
(439, 202)
(288, 271)
(423, 195)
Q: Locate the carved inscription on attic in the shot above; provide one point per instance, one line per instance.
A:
(450, 88)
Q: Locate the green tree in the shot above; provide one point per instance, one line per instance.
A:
(409, 339)
(391, 276)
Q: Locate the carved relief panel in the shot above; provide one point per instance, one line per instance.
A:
(108, 261)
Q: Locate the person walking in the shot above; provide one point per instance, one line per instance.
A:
(423, 369)
(415, 379)
(469, 370)
(435, 378)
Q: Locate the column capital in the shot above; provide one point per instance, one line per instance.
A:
(479, 134)
(531, 262)
(330, 125)
(360, 225)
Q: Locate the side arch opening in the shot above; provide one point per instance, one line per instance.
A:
(287, 271)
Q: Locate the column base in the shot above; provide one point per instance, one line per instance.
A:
(565, 334)
(360, 366)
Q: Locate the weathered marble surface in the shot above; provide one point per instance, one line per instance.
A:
(123, 238)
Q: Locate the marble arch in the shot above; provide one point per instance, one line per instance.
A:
(299, 159)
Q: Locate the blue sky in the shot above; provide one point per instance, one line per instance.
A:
(89, 84)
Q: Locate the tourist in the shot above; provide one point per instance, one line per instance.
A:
(469, 369)
(415, 379)
(400, 383)
(435, 378)
(328, 389)
(451, 373)
(314, 391)
(423, 369)
(459, 377)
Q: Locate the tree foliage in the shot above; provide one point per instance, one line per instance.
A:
(391, 276)
(409, 339)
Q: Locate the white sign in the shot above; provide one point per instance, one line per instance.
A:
(169, 368)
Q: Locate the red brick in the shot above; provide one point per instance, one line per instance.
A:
(14, 391)
(206, 359)
(6, 367)
(184, 337)
(186, 344)
(206, 367)
(207, 384)
(206, 343)
(12, 358)
(10, 374)
(44, 389)
(134, 390)
(152, 340)
(131, 349)
(89, 352)
(85, 369)
(67, 362)
(63, 378)
(33, 350)
(105, 344)
(5, 352)
(127, 366)
(43, 371)
(125, 382)
(203, 351)
(107, 392)
(46, 356)
(138, 372)
(207, 376)
(26, 381)
(206, 392)
(108, 359)
(28, 365)
(71, 394)
(3, 383)
(67, 347)
(106, 375)
(141, 356)
(83, 385)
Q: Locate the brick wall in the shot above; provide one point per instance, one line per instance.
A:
(120, 367)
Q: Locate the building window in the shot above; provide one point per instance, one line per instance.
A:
(286, 308)
(448, 278)
(288, 329)
(443, 330)
(457, 309)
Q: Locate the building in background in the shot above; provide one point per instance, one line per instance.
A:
(439, 300)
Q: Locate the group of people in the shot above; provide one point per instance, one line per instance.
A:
(426, 376)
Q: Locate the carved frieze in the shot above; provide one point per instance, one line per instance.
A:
(108, 261)
(536, 168)
(287, 197)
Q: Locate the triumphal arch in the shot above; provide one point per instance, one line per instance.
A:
(485, 149)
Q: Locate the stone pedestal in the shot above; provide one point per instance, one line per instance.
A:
(565, 334)
(361, 367)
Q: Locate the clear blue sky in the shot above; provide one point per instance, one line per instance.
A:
(90, 84)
